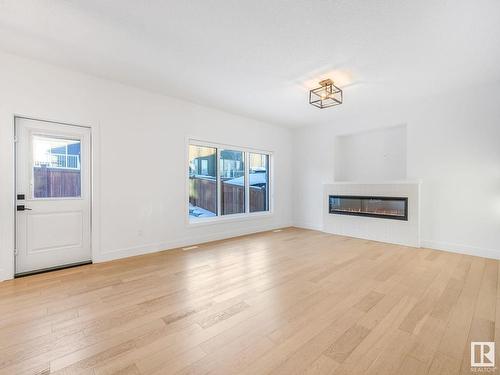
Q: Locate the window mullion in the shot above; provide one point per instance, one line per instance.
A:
(218, 184)
(247, 182)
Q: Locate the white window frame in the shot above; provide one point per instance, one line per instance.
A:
(232, 217)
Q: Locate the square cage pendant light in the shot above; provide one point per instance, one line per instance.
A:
(327, 95)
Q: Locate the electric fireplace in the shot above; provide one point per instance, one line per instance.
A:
(372, 206)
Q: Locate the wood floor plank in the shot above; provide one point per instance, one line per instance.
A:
(483, 322)
(345, 344)
(295, 354)
(323, 365)
(370, 300)
(362, 358)
(412, 366)
(393, 355)
(443, 364)
(454, 340)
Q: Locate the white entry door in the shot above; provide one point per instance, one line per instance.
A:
(52, 195)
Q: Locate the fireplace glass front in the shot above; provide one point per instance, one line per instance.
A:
(371, 206)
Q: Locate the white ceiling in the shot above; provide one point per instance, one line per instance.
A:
(258, 58)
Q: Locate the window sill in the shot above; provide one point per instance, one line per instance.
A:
(228, 218)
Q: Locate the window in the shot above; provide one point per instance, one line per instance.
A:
(224, 181)
(56, 167)
(202, 181)
(259, 182)
(232, 182)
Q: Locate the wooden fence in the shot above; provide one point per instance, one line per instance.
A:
(203, 193)
(52, 182)
(258, 199)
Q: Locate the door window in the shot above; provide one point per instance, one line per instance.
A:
(56, 167)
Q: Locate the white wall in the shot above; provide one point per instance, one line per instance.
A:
(373, 155)
(453, 144)
(136, 130)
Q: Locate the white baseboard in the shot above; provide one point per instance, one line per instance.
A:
(306, 225)
(132, 251)
(3, 276)
(155, 247)
(461, 249)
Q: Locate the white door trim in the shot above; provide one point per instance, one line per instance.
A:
(8, 188)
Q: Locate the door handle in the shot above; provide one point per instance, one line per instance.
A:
(22, 207)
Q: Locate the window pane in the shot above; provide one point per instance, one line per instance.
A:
(259, 182)
(202, 181)
(232, 176)
(56, 167)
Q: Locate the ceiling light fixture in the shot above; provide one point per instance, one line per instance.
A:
(327, 95)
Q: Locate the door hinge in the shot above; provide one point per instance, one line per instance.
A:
(16, 252)
(16, 139)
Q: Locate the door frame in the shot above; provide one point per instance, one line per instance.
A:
(8, 189)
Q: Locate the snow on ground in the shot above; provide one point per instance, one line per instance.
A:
(195, 211)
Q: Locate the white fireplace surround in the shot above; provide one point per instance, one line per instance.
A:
(377, 229)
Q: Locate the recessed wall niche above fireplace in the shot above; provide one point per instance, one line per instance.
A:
(395, 208)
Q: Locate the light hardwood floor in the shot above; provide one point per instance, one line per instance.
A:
(288, 302)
